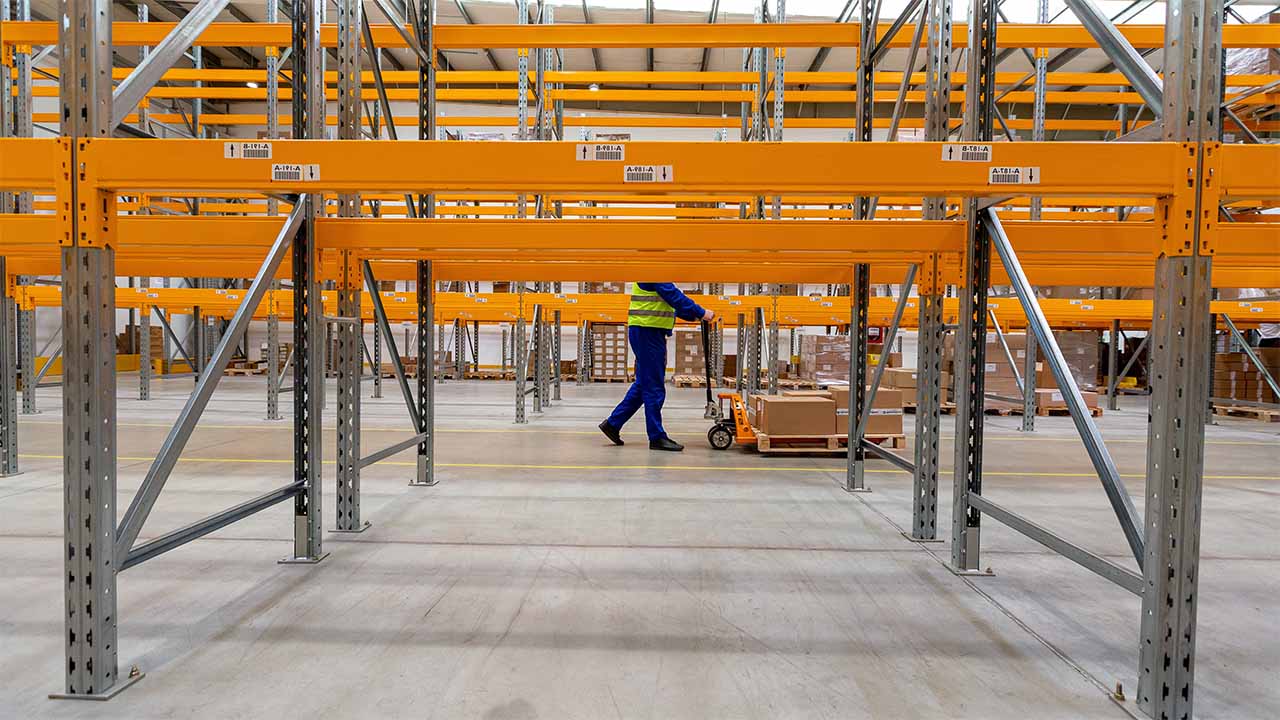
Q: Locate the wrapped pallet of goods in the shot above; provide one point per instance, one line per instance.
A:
(824, 358)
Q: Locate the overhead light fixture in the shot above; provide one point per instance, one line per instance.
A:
(593, 87)
(251, 85)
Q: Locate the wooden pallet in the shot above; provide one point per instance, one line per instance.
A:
(612, 379)
(691, 381)
(1001, 408)
(243, 371)
(797, 384)
(783, 444)
(947, 408)
(1247, 411)
(1063, 412)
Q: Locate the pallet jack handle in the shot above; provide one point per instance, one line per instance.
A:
(712, 411)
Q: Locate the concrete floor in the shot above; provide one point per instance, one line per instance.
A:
(550, 575)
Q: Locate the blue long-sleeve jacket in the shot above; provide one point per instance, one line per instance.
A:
(685, 308)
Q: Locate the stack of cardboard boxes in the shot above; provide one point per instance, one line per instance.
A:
(824, 358)
(1236, 377)
(1079, 348)
(603, 287)
(609, 351)
(823, 412)
(689, 359)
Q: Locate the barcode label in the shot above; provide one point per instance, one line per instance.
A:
(1086, 307)
(966, 153)
(295, 173)
(1057, 396)
(647, 174)
(1014, 176)
(1255, 309)
(601, 151)
(246, 150)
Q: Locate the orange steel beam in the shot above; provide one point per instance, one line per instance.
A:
(1124, 169)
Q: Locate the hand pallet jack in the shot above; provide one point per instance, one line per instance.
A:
(726, 429)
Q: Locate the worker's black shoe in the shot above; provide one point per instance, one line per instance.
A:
(665, 443)
(611, 432)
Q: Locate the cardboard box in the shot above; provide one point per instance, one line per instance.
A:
(884, 422)
(901, 378)
(802, 416)
(1052, 399)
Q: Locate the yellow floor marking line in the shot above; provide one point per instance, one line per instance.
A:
(719, 468)
(689, 433)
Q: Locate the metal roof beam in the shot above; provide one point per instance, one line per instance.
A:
(466, 18)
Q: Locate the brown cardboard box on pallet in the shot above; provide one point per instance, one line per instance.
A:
(899, 378)
(797, 416)
(1052, 399)
(886, 413)
(886, 410)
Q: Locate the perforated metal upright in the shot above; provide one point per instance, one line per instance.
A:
(8, 376)
(144, 345)
(971, 335)
(1037, 203)
(855, 478)
(937, 107)
(426, 470)
(89, 372)
(308, 309)
(1179, 365)
(556, 352)
(349, 332)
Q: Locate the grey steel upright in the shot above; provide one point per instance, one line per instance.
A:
(860, 292)
(1179, 393)
(929, 391)
(8, 378)
(425, 474)
(349, 332)
(308, 309)
(971, 336)
(89, 390)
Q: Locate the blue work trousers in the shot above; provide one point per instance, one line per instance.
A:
(650, 347)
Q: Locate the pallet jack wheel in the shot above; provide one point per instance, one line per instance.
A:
(719, 437)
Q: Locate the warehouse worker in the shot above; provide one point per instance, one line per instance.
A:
(652, 315)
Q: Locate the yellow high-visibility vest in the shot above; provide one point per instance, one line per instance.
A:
(648, 309)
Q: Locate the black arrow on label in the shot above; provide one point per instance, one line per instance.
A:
(584, 152)
(664, 172)
(311, 172)
(1031, 174)
(950, 151)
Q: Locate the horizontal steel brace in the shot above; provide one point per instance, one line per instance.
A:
(387, 452)
(1126, 579)
(894, 459)
(200, 528)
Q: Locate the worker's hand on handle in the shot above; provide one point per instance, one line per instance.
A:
(708, 316)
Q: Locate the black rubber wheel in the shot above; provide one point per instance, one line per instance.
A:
(719, 437)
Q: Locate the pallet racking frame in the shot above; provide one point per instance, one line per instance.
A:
(1189, 172)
